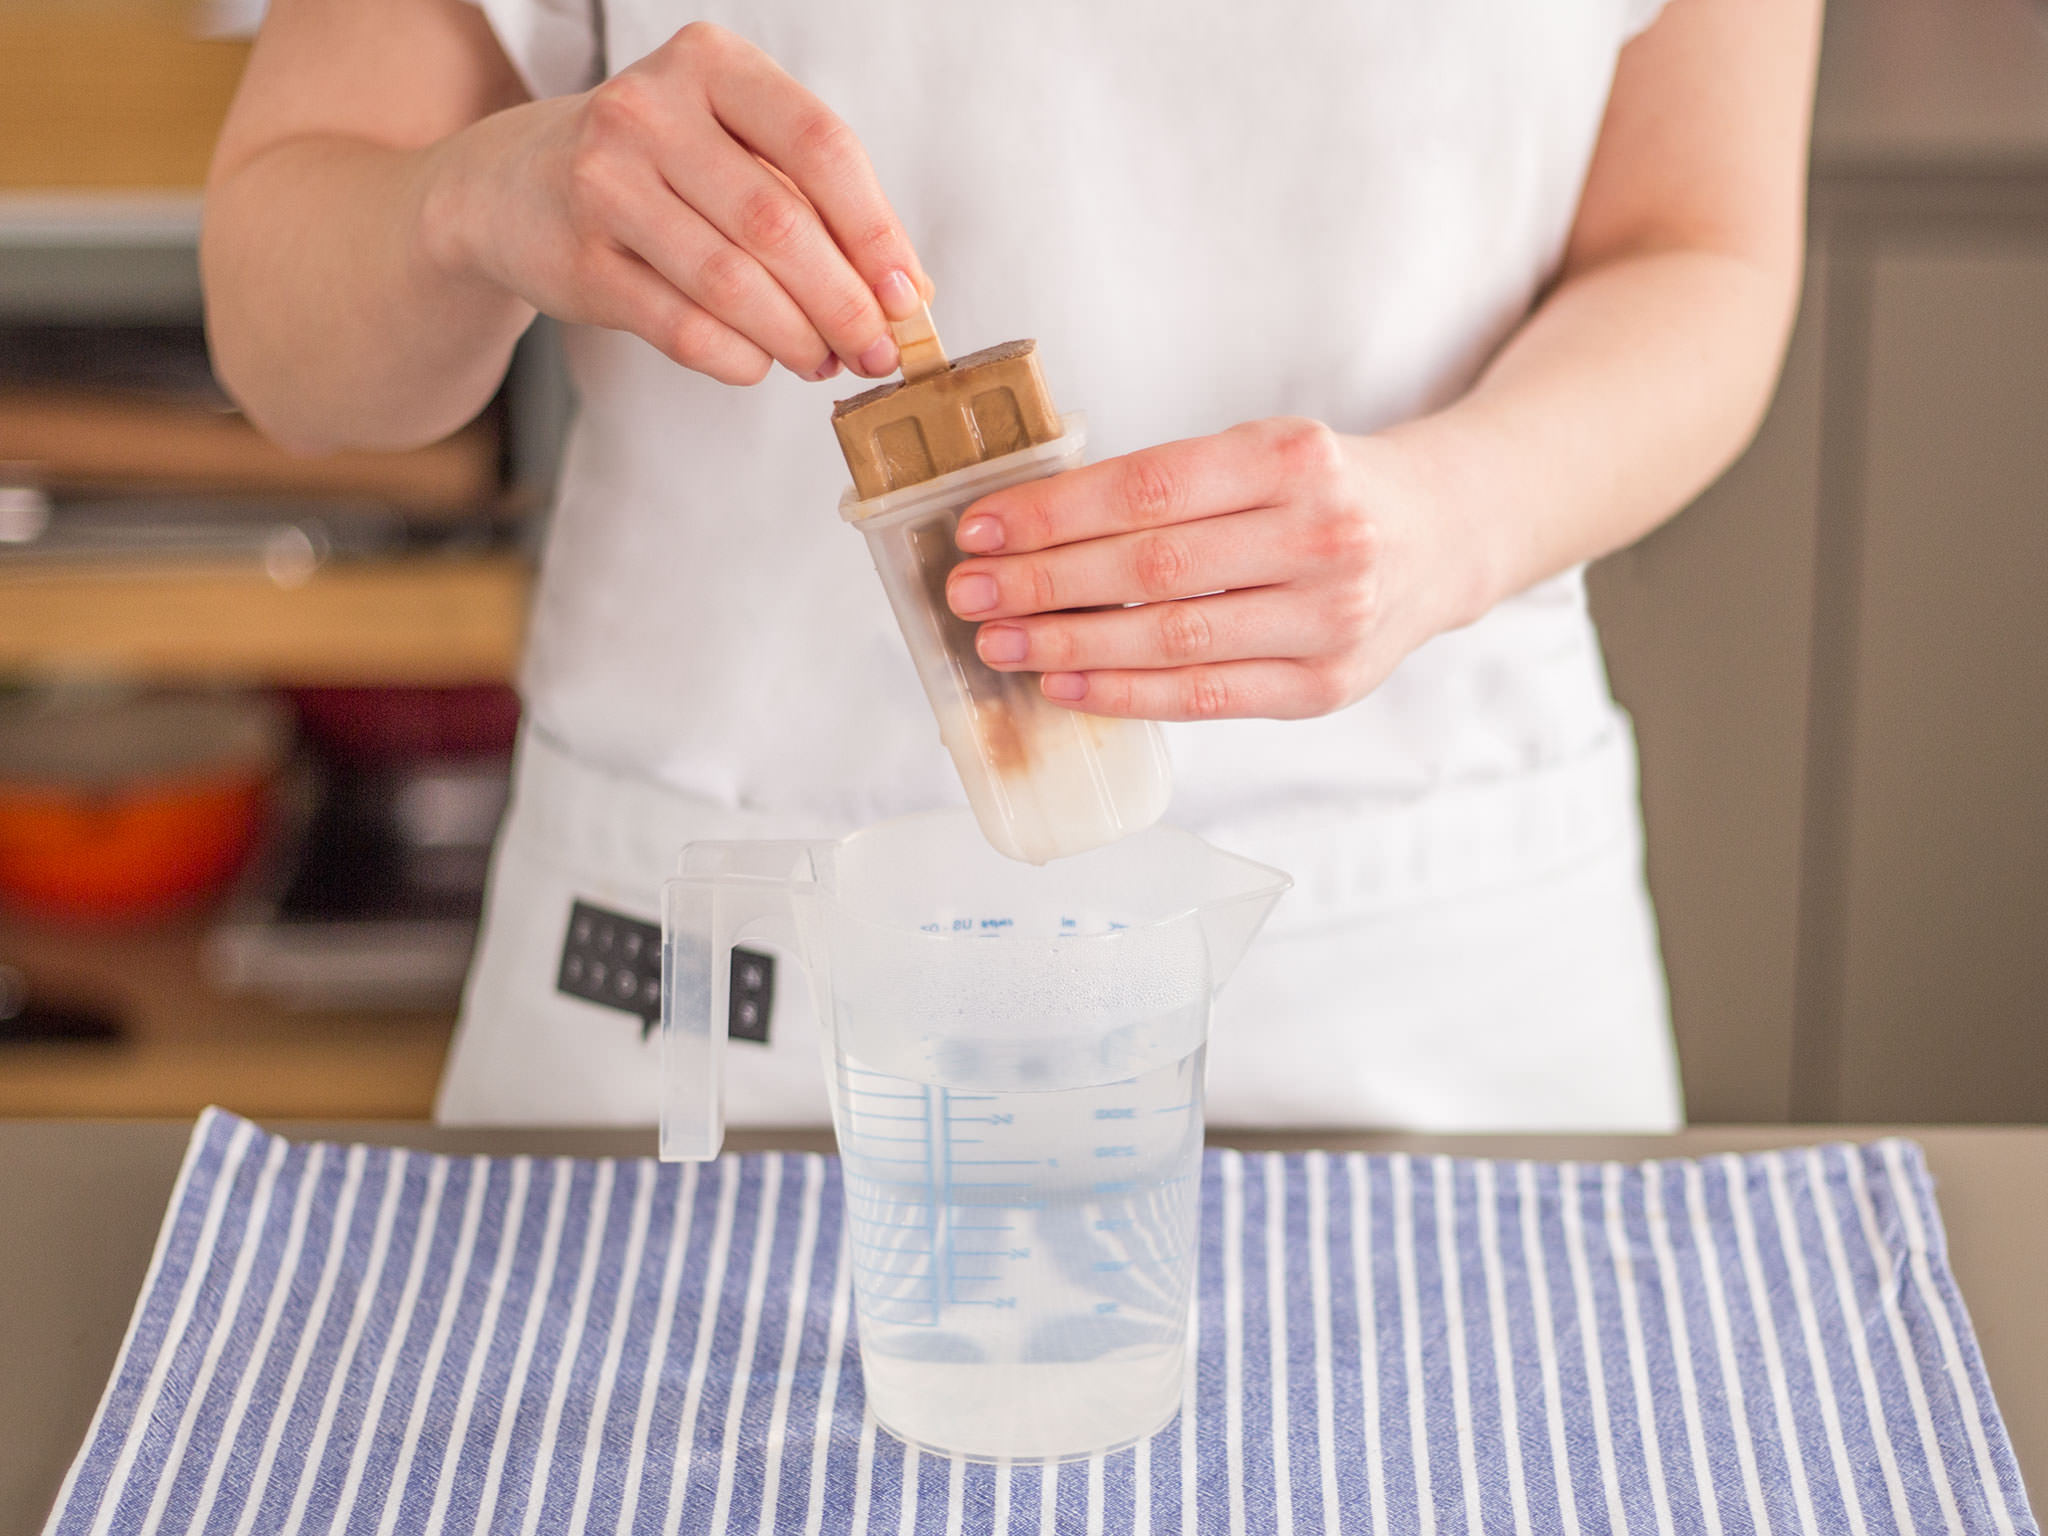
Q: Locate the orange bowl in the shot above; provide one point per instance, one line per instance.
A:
(77, 856)
(131, 811)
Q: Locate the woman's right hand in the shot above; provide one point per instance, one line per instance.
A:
(701, 199)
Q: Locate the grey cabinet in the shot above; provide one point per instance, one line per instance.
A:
(1838, 658)
(1838, 664)
(1708, 626)
(1942, 1007)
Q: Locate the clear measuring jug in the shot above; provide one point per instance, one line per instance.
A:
(1014, 1056)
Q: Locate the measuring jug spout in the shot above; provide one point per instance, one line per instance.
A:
(1164, 870)
(1229, 924)
(723, 893)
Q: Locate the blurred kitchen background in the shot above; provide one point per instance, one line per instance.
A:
(255, 720)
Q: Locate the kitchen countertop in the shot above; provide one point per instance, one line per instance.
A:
(80, 1202)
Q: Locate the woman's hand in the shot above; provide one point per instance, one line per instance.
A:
(1280, 570)
(701, 199)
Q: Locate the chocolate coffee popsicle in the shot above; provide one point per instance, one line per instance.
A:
(1044, 781)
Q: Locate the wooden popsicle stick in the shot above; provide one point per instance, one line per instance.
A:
(962, 412)
(917, 339)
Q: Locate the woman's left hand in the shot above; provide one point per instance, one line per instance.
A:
(1280, 569)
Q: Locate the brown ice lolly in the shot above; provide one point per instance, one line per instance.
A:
(1044, 781)
(942, 416)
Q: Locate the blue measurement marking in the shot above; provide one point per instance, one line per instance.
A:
(1125, 1112)
(1116, 1151)
(923, 1248)
(1175, 1109)
(924, 1275)
(903, 1281)
(941, 1236)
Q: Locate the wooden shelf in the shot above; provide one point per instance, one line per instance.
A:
(422, 620)
(189, 1047)
(80, 439)
(115, 93)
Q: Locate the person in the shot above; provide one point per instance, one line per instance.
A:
(1386, 318)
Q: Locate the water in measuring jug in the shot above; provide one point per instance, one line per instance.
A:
(1014, 1057)
(1021, 1259)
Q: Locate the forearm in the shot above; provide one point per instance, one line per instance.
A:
(356, 329)
(1625, 393)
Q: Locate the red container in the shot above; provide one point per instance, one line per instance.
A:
(123, 809)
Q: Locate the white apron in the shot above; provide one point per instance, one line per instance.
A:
(1206, 214)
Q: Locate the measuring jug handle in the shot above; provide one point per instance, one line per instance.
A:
(726, 892)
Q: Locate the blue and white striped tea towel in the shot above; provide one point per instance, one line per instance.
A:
(365, 1342)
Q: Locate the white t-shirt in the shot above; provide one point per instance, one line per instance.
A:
(1206, 214)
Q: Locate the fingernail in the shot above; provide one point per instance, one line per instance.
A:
(880, 357)
(898, 295)
(1002, 642)
(823, 371)
(971, 594)
(1066, 686)
(980, 535)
